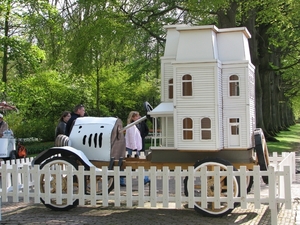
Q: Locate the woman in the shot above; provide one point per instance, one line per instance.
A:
(133, 140)
(62, 122)
(133, 136)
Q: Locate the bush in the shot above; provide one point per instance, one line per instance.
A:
(34, 148)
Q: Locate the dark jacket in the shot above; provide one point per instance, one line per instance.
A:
(61, 128)
(144, 131)
(70, 123)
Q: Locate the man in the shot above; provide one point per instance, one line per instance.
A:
(144, 130)
(79, 111)
(3, 125)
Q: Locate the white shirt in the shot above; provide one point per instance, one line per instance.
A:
(133, 138)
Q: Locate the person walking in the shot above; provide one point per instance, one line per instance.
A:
(79, 111)
(62, 123)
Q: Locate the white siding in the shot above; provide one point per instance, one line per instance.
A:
(166, 75)
(252, 116)
(219, 115)
(196, 143)
(167, 134)
(241, 106)
(204, 81)
(205, 53)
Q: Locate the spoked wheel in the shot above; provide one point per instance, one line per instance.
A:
(262, 153)
(211, 209)
(99, 183)
(54, 164)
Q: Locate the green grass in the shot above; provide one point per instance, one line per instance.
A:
(288, 140)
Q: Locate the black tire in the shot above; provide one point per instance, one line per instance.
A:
(54, 162)
(262, 153)
(210, 211)
(13, 155)
(250, 184)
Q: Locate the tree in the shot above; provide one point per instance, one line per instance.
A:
(18, 55)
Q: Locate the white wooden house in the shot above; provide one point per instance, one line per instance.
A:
(207, 90)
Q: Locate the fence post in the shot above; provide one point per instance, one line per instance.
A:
(272, 195)
(165, 186)
(153, 185)
(178, 186)
(105, 175)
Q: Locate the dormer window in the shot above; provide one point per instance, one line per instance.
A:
(234, 88)
(187, 89)
(187, 129)
(170, 88)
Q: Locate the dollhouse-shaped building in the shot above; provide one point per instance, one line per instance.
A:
(207, 90)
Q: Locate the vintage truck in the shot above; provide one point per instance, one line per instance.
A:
(206, 117)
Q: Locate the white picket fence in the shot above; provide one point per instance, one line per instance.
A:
(21, 182)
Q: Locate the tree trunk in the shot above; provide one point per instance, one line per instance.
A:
(249, 22)
(5, 45)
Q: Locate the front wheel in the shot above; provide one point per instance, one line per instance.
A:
(13, 155)
(54, 164)
(211, 209)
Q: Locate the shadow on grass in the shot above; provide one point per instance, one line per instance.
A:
(289, 141)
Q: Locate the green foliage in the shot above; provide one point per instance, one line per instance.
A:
(106, 54)
(288, 140)
(40, 100)
(35, 148)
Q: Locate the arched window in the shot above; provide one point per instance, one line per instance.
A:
(170, 89)
(234, 87)
(187, 89)
(205, 129)
(187, 129)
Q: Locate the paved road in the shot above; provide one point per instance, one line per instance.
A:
(37, 214)
(21, 213)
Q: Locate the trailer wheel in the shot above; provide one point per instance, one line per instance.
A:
(262, 153)
(54, 164)
(211, 209)
(99, 180)
(249, 183)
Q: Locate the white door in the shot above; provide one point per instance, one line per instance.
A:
(234, 132)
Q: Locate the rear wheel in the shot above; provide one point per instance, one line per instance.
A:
(54, 164)
(99, 185)
(262, 153)
(211, 209)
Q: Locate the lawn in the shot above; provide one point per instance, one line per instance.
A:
(288, 140)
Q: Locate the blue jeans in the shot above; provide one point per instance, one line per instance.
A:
(129, 151)
(122, 180)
